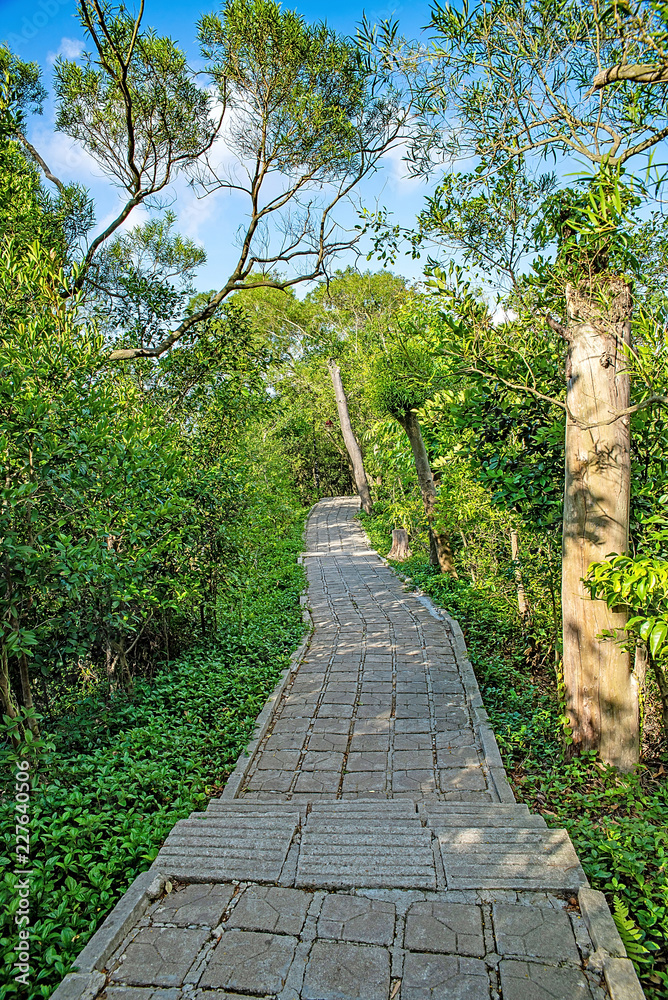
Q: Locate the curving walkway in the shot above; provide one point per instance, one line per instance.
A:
(369, 847)
(378, 707)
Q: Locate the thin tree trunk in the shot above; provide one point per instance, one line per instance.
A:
(662, 684)
(349, 439)
(7, 696)
(440, 549)
(111, 662)
(601, 691)
(466, 546)
(26, 692)
(316, 471)
(522, 602)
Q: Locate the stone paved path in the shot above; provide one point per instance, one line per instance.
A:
(378, 707)
(371, 847)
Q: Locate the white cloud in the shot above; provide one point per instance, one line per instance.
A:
(400, 179)
(70, 48)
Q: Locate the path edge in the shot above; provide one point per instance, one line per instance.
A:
(265, 718)
(235, 781)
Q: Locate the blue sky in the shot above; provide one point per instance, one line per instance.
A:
(40, 30)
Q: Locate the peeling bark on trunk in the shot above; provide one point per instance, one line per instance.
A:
(349, 439)
(522, 602)
(400, 548)
(601, 691)
(440, 553)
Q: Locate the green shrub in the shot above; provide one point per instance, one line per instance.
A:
(117, 775)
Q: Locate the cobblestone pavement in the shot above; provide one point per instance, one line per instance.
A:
(378, 707)
(373, 850)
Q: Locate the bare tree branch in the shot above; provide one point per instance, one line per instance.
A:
(38, 159)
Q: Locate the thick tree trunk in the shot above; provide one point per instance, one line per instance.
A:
(400, 548)
(601, 691)
(440, 548)
(522, 602)
(349, 439)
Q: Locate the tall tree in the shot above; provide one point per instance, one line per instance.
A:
(351, 442)
(306, 115)
(512, 78)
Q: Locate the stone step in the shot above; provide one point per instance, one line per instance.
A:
(337, 853)
(510, 858)
(464, 821)
(366, 806)
(438, 807)
(228, 845)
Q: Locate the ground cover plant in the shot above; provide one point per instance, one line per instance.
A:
(618, 822)
(115, 774)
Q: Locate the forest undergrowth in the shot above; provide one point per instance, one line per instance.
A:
(618, 822)
(117, 773)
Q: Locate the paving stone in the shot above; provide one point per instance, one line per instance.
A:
(336, 726)
(444, 977)
(342, 971)
(371, 727)
(272, 760)
(338, 697)
(335, 712)
(452, 928)
(363, 744)
(315, 760)
(534, 932)
(454, 738)
(366, 761)
(364, 781)
(160, 956)
(530, 981)
(328, 742)
(412, 741)
(418, 782)
(285, 741)
(412, 726)
(220, 995)
(270, 781)
(250, 962)
(357, 918)
(376, 712)
(196, 904)
(141, 993)
(290, 726)
(462, 779)
(457, 756)
(409, 760)
(271, 909)
(318, 781)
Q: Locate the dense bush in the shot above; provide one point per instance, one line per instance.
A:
(116, 774)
